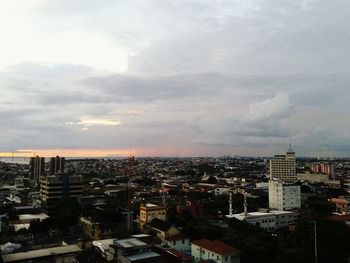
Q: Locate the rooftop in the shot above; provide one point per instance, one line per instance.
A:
(40, 253)
(130, 242)
(217, 247)
(160, 224)
(341, 218)
(140, 256)
(241, 216)
(150, 205)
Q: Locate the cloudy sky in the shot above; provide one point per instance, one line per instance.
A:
(174, 77)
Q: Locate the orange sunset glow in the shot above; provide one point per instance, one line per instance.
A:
(100, 153)
(68, 153)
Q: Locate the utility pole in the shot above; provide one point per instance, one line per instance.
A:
(245, 206)
(315, 234)
(131, 161)
(230, 210)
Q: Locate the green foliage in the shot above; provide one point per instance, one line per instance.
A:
(320, 206)
(257, 245)
(67, 214)
(112, 215)
(145, 181)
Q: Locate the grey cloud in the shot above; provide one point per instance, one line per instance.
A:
(230, 76)
(124, 87)
(279, 36)
(35, 71)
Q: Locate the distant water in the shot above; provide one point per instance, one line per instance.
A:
(19, 160)
(25, 160)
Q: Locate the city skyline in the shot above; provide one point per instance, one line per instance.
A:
(174, 78)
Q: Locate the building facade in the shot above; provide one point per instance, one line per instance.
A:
(180, 243)
(269, 221)
(342, 204)
(323, 168)
(36, 167)
(284, 196)
(134, 250)
(56, 165)
(55, 187)
(282, 167)
(148, 212)
(214, 251)
(98, 229)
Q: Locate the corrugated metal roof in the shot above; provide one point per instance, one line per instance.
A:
(40, 253)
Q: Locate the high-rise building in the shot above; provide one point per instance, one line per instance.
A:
(36, 167)
(282, 167)
(56, 165)
(55, 187)
(284, 196)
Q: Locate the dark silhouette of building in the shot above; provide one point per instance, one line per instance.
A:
(56, 165)
(54, 188)
(37, 167)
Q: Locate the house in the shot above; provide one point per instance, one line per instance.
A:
(52, 254)
(134, 250)
(170, 255)
(148, 212)
(342, 205)
(216, 251)
(269, 220)
(164, 229)
(100, 228)
(179, 242)
(24, 220)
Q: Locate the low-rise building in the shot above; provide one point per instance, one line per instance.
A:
(53, 254)
(24, 220)
(269, 221)
(342, 205)
(99, 228)
(164, 229)
(134, 250)
(148, 212)
(214, 251)
(180, 243)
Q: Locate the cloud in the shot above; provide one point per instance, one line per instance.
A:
(267, 39)
(271, 108)
(198, 112)
(90, 122)
(190, 77)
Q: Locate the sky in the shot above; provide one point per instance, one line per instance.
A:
(174, 77)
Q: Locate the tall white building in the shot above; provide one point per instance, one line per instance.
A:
(284, 196)
(282, 167)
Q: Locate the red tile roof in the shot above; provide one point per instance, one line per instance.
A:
(177, 253)
(339, 200)
(340, 218)
(217, 247)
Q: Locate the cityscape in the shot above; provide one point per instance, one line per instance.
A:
(174, 131)
(223, 209)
